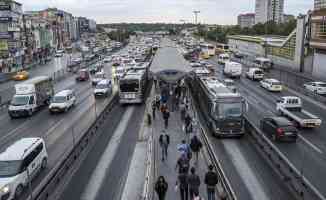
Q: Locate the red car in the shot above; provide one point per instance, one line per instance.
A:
(83, 75)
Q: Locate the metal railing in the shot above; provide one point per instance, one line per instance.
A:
(291, 176)
(57, 174)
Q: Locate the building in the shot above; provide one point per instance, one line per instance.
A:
(246, 20)
(318, 38)
(269, 10)
(91, 25)
(288, 18)
(284, 51)
(11, 46)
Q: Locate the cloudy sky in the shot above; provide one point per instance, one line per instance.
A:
(111, 11)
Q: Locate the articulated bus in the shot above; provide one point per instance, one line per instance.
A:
(222, 48)
(207, 50)
(132, 86)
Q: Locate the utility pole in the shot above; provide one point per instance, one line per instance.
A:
(196, 12)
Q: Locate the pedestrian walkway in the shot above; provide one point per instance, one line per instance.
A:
(167, 168)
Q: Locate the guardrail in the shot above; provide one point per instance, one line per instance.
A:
(54, 178)
(292, 177)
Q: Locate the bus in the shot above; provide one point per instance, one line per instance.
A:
(132, 87)
(222, 108)
(207, 50)
(222, 48)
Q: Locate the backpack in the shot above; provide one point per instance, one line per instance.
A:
(195, 145)
(183, 165)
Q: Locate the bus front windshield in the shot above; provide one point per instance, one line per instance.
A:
(227, 110)
(129, 86)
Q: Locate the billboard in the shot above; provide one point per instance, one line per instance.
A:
(3, 45)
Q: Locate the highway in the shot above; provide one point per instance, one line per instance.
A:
(308, 153)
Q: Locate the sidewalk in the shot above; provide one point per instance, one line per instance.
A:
(167, 168)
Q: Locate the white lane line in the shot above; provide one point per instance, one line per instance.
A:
(247, 174)
(95, 182)
(314, 147)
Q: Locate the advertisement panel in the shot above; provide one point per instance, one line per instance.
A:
(3, 45)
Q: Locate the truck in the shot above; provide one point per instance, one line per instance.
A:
(291, 107)
(232, 69)
(30, 96)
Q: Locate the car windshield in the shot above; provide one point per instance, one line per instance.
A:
(321, 84)
(19, 100)
(101, 86)
(9, 168)
(129, 86)
(258, 72)
(99, 76)
(58, 99)
(226, 110)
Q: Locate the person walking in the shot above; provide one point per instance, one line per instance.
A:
(182, 184)
(183, 164)
(194, 183)
(182, 111)
(195, 146)
(153, 108)
(164, 141)
(211, 180)
(161, 187)
(166, 116)
(184, 148)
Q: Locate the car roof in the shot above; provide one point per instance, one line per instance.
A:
(100, 73)
(63, 93)
(318, 82)
(281, 121)
(17, 150)
(104, 81)
(272, 80)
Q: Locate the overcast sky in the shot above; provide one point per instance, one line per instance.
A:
(169, 11)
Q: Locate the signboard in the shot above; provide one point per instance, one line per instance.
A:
(3, 45)
(5, 7)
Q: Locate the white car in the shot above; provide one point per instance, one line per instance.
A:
(98, 77)
(19, 164)
(255, 74)
(62, 101)
(317, 87)
(103, 88)
(272, 85)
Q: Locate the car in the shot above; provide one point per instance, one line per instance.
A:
(62, 101)
(103, 88)
(316, 87)
(271, 84)
(83, 75)
(255, 74)
(20, 76)
(279, 128)
(19, 164)
(107, 59)
(97, 78)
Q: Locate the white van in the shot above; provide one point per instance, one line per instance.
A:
(62, 101)
(19, 164)
(103, 88)
(263, 63)
(223, 58)
(233, 69)
(255, 74)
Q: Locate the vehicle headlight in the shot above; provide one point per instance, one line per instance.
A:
(5, 189)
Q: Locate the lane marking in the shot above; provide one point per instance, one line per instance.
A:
(98, 176)
(247, 174)
(314, 147)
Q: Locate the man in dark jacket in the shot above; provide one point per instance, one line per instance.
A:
(188, 121)
(166, 116)
(194, 183)
(211, 180)
(164, 141)
(161, 186)
(182, 183)
(195, 145)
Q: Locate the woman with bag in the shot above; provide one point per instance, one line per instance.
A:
(182, 184)
(161, 186)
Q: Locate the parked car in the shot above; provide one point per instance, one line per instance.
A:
(279, 128)
(271, 84)
(20, 76)
(83, 75)
(255, 74)
(20, 163)
(316, 87)
(103, 88)
(62, 101)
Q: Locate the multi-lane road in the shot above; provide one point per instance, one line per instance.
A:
(308, 153)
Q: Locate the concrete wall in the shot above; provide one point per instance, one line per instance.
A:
(319, 69)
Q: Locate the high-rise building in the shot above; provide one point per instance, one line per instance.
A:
(319, 4)
(269, 10)
(246, 20)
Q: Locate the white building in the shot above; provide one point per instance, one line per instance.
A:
(246, 20)
(92, 25)
(269, 10)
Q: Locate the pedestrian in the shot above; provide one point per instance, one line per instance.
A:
(158, 102)
(155, 82)
(211, 180)
(195, 146)
(184, 148)
(166, 116)
(161, 187)
(183, 164)
(153, 108)
(182, 111)
(164, 141)
(182, 184)
(163, 108)
(188, 125)
(194, 183)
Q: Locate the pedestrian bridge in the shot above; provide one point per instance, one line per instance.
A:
(168, 65)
